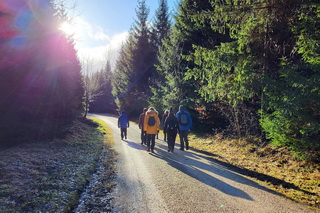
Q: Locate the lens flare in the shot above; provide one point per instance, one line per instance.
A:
(67, 28)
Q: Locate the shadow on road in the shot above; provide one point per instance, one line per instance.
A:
(250, 173)
(203, 167)
(134, 145)
(193, 168)
(243, 171)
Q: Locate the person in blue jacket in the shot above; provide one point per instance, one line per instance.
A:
(123, 124)
(185, 123)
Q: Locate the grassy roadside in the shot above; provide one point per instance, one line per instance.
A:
(97, 195)
(273, 167)
(50, 176)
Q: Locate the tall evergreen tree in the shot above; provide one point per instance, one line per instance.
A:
(103, 100)
(160, 32)
(162, 23)
(229, 72)
(134, 66)
(172, 57)
(41, 84)
(293, 99)
(269, 63)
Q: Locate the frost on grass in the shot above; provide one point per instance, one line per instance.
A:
(97, 195)
(50, 177)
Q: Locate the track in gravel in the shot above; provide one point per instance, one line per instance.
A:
(186, 181)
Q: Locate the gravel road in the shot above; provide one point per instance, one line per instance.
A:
(184, 181)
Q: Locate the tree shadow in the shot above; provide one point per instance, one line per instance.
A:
(134, 145)
(194, 168)
(114, 115)
(250, 173)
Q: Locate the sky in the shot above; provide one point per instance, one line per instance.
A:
(101, 26)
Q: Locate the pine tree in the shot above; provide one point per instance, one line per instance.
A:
(42, 85)
(266, 61)
(160, 32)
(293, 98)
(103, 100)
(172, 57)
(162, 23)
(122, 77)
(135, 65)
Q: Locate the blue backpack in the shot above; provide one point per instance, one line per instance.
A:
(183, 119)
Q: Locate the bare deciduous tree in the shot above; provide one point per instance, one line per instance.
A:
(87, 72)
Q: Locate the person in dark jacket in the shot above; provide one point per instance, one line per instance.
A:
(123, 124)
(164, 117)
(171, 125)
(185, 123)
(141, 123)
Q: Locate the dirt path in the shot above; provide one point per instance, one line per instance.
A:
(183, 182)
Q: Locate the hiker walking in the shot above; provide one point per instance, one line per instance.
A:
(185, 123)
(151, 126)
(171, 126)
(123, 124)
(141, 124)
(164, 117)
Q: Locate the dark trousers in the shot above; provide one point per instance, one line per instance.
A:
(143, 137)
(184, 139)
(151, 139)
(123, 132)
(165, 135)
(171, 137)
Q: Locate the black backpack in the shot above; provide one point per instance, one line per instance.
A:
(151, 121)
(171, 127)
(183, 119)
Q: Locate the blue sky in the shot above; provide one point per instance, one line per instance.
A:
(100, 26)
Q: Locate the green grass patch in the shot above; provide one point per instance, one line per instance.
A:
(50, 176)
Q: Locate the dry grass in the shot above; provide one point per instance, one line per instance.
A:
(274, 167)
(50, 176)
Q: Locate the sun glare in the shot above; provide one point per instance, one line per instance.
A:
(67, 28)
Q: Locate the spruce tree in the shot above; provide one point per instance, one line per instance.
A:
(160, 32)
(135, 65)
(41, 83)
(103, 100)
(267, 61)
(173, 56)
(162, 23)
(293, 98)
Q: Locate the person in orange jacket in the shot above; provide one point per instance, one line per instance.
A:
(151, 126)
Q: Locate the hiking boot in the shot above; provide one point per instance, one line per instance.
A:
(152, 151)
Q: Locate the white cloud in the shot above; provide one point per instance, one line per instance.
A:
(97, 33)
(114, 46)
(92, 43)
